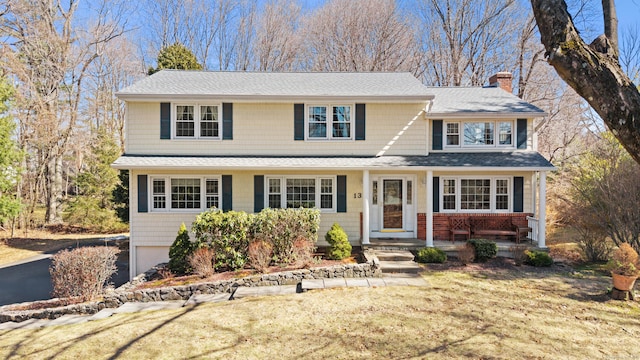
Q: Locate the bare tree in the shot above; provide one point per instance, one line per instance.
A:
(592, 70)
(465, 41)
(345, 35)
(277, 42)
(49, 58)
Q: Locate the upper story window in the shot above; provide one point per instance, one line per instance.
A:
(296, 192)
(479, 134)
(171, 193)
(197, 121)
(329, 122)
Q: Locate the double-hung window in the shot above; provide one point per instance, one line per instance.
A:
(197, 121)
(306, 192)
(479, 134)
(185, 193)
(330, 122)
(482, 194)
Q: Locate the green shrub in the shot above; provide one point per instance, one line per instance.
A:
(180, 250)
(538, 258)
(226, 234)
(484, 249)
(339, 246)
(431, 255)
(283, 228)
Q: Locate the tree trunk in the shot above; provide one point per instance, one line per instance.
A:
(54, 190)
(593, 71)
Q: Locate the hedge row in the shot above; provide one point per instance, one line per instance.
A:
(229, 234)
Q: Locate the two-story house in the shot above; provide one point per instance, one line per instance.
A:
(379, 153)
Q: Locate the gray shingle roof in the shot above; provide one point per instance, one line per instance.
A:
(529, 160)
(238, 85)
(455, 101)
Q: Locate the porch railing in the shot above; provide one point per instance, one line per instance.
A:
(533, 224)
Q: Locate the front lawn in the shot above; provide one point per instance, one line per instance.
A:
(483, 312)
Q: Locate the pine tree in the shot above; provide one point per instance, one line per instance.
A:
(176, 56)
(10, 157)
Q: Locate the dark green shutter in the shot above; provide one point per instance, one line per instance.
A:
(298, 121)
(227, 121)
(143, 193)
(436, 194)
(342, 193)
(165, 121)
(437, 134)
(227, 193)
(361, 123)
(518, 194)
(258, 193)
(521, 131)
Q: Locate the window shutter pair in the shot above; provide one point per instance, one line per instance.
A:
(227, 121)
(341, 192)
(143, 193)
(298, 122)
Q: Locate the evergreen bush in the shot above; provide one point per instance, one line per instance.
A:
(180, 250)
(339, 246)
(226, 234)
(283, 228)
(484, 249)
(431, 255)
(538, 258)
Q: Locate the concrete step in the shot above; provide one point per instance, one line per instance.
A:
(399, 267)
(394, 255)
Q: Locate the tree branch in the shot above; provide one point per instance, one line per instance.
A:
(594, 75)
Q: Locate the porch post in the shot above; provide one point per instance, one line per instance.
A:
(429, 215)
(365, 207)
(542, 211)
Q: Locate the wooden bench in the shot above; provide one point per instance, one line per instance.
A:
(459, 225)
(496, 226)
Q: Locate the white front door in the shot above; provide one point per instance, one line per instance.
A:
(392, 206)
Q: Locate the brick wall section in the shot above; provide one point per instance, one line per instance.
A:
(441, 223)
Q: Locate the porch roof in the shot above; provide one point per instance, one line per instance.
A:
(441, 161)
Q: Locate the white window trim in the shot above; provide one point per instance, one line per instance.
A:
(167, 194)
(197, 120)
(496, 135)
(318, 190)
(493, 194)
(329, 135)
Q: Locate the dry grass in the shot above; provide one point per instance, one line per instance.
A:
(36, 242)
(485, 314)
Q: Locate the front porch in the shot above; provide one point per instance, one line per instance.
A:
(447, 246)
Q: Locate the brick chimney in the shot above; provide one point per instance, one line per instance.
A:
(503, 80)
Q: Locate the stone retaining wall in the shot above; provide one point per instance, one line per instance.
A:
(125, 293)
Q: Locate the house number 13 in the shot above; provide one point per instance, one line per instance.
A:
(357, 195)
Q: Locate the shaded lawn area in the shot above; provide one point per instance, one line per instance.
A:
(492, 313)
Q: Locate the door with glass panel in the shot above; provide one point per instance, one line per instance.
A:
(392, 206)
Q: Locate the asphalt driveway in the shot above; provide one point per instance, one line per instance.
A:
(30, 280)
